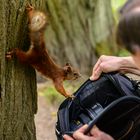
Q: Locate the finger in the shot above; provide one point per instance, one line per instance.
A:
(100, 135)
(95, 131)
(97, 64)
(66, 137)
(96, 74)
(83, 128)
(80, 136)
(102, 58)
(95, 68)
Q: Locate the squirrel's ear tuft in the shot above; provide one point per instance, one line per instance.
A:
(67, 64)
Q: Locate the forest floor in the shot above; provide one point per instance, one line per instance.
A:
(45, 120)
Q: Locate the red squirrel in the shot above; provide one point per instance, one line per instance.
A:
(37, 56)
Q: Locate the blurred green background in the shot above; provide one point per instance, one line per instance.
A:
(79, 32)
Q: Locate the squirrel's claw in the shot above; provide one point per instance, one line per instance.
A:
(9, 55)
(71, 97)
(29, 7)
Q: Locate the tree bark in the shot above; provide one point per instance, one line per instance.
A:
(77, 28)
(18, 98)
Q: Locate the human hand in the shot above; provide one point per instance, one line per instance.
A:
(95, 134)
(113, 63)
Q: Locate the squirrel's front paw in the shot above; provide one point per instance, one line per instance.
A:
(71, 96)
(9, 55)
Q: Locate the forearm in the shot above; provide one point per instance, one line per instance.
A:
(128, 66)
(130, 70)
(128, 62)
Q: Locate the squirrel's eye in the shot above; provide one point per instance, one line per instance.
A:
(75, 74)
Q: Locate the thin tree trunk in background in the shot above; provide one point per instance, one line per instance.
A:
(18, 98)
(77, 28)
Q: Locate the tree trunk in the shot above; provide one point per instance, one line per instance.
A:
(77, 28)
(18, 98)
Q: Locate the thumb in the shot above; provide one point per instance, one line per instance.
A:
(66, 137)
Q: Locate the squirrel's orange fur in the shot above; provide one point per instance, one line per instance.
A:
(37, 56)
